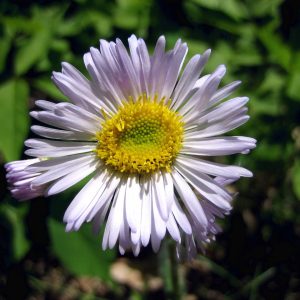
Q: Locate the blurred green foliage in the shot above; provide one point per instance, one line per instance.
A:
(257, 40)
(85, 260)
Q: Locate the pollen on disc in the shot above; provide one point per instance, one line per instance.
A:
(142, 137)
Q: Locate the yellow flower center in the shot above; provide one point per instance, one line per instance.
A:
(142, 137)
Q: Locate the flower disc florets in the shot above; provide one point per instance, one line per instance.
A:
(142, 137)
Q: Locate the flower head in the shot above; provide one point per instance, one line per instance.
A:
(144, 130)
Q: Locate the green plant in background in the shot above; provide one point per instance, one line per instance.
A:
(256, 39)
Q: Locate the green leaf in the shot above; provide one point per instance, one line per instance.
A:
(16, 24)
(14, 117)
(83, 19)
(132, 14)
(263, 7)
(36, 39)
(33, 49)
(279, 52)
(80, 251)
(272, 83)
(231, 8)
(296, 178)
(268, 152)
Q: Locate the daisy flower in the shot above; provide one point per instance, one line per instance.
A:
(142, 127)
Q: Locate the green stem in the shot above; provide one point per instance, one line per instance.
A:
(169, 270)
(174, 270)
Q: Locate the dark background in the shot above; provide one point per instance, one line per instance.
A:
(257, 255)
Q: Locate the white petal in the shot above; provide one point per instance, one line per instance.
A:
(155, 239)
(223, 117)
(78, 92)
(136, 249)
(47, 105)
(229, 109)
(63, 169)
(218, 146)
(156, 66)
(133, 203)
(133, 45)
(98, 86)
(224, 92)
(188, 79)
(169, 190)
(131, 87)
(207, 188)
(111, 186)
(85, 197)
(157, 221)
(189, 199)
(68, 123)
(173, 71)
(58, 134)
(181, 218)
(160, 196)
(49, 148)
(65, 161)
(100, 217)
(20, 165)
(213, 210)
(225, 181)
(108, 223)
(146, 216)
(108, 78)
(73, 73)
(217, 128)
(200, 82)
(71, 110)
(118, 215)
(212, 168)
(45, 143)
(71, 179)
(196, 177)
(173, 229)
(124, 237)
(199, 101)
(145, 65)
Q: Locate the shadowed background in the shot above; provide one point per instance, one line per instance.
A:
(257, 255)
